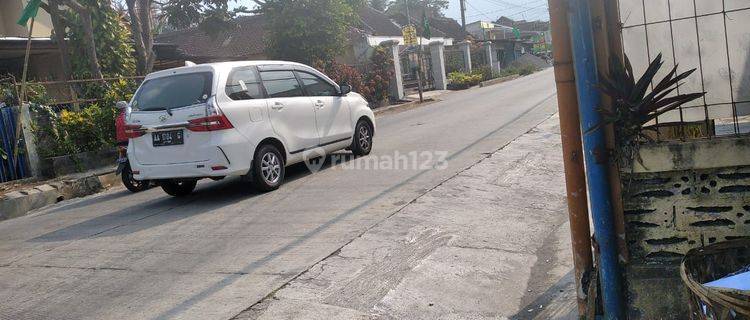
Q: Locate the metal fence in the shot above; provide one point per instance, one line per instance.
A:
(478, 57)
(454, 59)
(65, 94)
(712, 36)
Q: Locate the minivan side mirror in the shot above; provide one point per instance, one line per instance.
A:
(345, 88)
(121, 105)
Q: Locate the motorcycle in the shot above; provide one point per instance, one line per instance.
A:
(123, 165)
(126, 175)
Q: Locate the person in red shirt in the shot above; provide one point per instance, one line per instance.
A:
(120, 137)
(122, 149)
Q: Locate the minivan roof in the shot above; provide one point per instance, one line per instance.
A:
(219, 67)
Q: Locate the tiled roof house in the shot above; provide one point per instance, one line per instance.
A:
(247, 40)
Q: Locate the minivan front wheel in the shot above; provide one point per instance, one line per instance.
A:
(268, 168)
(362, 143)
(178, 188)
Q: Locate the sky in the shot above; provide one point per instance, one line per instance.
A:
(486, 10)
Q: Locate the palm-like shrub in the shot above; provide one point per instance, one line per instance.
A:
(633, 106)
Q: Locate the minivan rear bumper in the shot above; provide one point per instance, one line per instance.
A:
(227, 159)
(183, 171)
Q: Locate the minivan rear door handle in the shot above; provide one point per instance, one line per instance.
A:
(183, 124)
(277, 106)
(319, 104)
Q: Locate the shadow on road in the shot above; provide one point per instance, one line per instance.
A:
(162, 210)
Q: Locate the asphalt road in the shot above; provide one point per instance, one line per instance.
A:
(215, 253)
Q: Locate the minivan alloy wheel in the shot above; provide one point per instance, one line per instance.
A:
(364, 137)
(270, 167)
(362, 142)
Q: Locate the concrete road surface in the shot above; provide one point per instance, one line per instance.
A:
(220, 250)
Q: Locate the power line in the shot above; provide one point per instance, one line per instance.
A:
(541, 6)
(544, 4)
(513, 14)
(508, 4)
(477, 10)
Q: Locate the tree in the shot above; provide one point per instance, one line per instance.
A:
(212, 16)
(431, 8)
(89, 20)
(62, 19)
(58, 26)
(307, 30)
(139, 12)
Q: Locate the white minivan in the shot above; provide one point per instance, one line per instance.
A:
(250, 118)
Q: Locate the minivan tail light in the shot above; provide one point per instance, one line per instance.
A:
(134, 130)
(211, 123)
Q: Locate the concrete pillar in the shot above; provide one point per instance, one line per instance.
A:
(465, 48)
(495, 62)
(396, 82)
(28, 138)
(437, 53)
(488, 52)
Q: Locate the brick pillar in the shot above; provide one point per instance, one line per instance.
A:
(437, 53)
(466, 50)
(396, 81)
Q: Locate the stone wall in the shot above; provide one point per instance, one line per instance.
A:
(694, 201)
(77, 163)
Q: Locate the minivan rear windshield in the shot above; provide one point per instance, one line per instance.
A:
(173, 91)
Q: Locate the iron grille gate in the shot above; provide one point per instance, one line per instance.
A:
(410, 65)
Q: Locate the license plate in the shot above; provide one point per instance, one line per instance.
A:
(168, 138)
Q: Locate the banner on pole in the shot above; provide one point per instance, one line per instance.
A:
(410, 35)
(29, 12)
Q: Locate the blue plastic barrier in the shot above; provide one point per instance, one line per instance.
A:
(9, 169)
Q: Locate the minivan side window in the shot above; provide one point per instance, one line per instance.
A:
(315, 86)
(280, 84)
(243, 84)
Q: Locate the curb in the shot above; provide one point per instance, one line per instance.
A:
(403, 106)
(498, 80)
(20, 202)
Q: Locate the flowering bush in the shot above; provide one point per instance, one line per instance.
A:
(380, 71)
(70, 132)
(372, 85)
(90, 129)
(462, 80)
(343, 74)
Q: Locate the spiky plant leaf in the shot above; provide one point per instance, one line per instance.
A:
(633, 106)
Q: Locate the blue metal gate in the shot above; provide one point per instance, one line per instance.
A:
(10, 169)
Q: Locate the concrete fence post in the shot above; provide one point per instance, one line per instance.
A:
(465, 48)
(28, 138)
(437, 53)
(488, 52)
(396, 86)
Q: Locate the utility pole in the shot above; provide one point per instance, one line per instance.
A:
(597, 169)
(570, 131)
(419, 54)
(463, 14)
